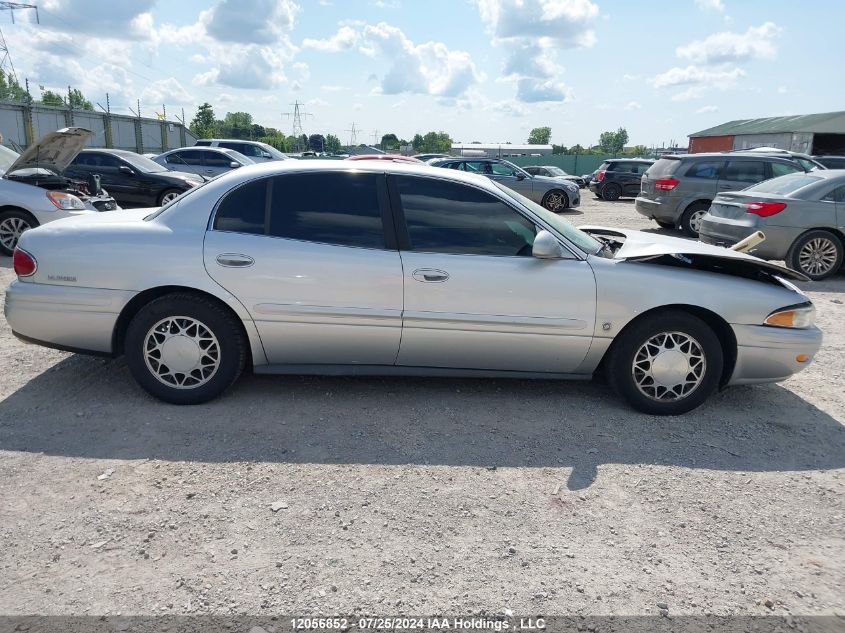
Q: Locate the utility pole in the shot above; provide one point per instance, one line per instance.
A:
(353, 135)
(6, 64)
(297, 116)
(376, 138)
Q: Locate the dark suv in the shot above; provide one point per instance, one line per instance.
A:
(677, 190)
(619, 177)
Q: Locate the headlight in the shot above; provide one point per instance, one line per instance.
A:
(65, 201)
(800, 316)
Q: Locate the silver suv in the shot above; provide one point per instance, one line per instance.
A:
(677, 190)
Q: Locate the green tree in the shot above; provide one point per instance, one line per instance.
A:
(436, 142)
(540, 136)
(577, 149)
(236, 125)
(317, 142)
(204, 124)
(417, 143)
(78, 101)
(48, 97)
(11, 90)
(613, 142)
(559, 149)
(332, 143)
(390, 142)
(639, 150)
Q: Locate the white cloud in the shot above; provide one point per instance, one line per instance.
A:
(538, 90)
(330, 88)
(345, 39)
(239, 66)
(782, 90)
(430, 68)
(317, 102)
(166, 91)
(756, 43)
(696, 75)
(633, 105)
(711, 5)
(102, 18)
(261, 22)
(706, 109)
(627, 77)
(693, 92)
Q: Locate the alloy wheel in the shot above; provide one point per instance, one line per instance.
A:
(554, 201)
(669, 366)
(695, 220)
(181, 352)
(817, 257)
(11, 230)
(169, 197)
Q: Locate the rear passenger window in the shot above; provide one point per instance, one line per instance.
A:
(244, 209)
(331, 208)
(709, 170)
(749, 171)
(217, 159)
(782, 169)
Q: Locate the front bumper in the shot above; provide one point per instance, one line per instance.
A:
(64, 317)
(574, 198)
(768, 354)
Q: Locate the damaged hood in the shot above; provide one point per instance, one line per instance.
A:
(55, 151)
(639, 246)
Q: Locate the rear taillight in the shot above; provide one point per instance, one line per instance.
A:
(23, 263)
(666, 184)
(600, 175)
(764, 209)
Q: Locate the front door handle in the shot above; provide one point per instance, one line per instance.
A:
(235, 260)
(430, 275)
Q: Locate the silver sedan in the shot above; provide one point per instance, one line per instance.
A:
(208, 162)
(375, 267)
(801, 215)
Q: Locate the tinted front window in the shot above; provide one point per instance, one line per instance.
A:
(332, 208)
(785, 185)
(188, 157)
(92, 159)
(745, 171)
(445, 217)
(217, 159)
(244, 209)
(708, 170)
(501, 169)
(783, 169)
(477, 166)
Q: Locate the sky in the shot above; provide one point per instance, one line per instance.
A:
(481, 70)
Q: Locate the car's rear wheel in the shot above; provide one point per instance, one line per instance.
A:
(12, 226)
(184, 348)
(168, 196)
(666, 364)
(611, 192)
(665, 225)
(691, 219)
(556, 201)
(817, 254)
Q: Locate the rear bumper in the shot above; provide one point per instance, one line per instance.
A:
(655, 209)
(768, 354)
(65, 317)
(727, 232)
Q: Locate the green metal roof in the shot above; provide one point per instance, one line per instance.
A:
(824, 123)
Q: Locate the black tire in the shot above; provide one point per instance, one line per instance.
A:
(621, 369)
(231, 347)
(819, 241)
(688, 219)
(611, 192)
(665, 225)
(556, 201)
(163, 197)
(12, 224)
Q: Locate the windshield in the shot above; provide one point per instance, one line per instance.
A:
(142, 163)
(580, 239)
(785, 184)
(556, 171)
(272, 151)
(243, 160)
(7, 157)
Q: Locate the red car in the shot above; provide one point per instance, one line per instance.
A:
(397, 158)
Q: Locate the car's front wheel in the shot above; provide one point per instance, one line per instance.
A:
(667, 363)
(556, 201)
(185, 348)
(12, 226)
(168, 196)
(818, 254)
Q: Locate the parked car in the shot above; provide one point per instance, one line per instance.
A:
(256, 151)
(551, 171)
(208, 162)
(805, 161)
(385, 268)
(132, 179)
(831, 162)
(427, 157)
(555, 195)
(34, 189)
(802, 216)
(677, 190)
(618, 177)
(394, 157)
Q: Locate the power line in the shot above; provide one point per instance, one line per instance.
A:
(5, 55)
(353, 135)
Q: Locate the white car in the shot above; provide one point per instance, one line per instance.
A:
(208, 162)
(33, 190)
(254, 150)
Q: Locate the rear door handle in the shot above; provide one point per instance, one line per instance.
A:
(430, 275)
(235, 260)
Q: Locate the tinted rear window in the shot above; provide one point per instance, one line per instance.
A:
(244, 209)
(784, 185)
(705, 169)
(750, 171)
(663, 167)
(203, 143)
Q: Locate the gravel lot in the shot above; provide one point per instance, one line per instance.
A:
(419, 496)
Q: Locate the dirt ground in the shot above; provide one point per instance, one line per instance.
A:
(419, 496)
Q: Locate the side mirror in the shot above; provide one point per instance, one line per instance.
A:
(234, 165)
(520, 176)
(123, 169)
(266, 155)
(546, 246)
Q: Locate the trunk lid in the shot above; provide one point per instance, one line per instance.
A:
(55, 151)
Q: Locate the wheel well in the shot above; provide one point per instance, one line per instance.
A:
(723, 331)
(143, 298)
(19, 210)
(695, 202)
(829, 229)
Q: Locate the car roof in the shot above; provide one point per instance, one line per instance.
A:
(199, 148)
(729, 156)
(628, 160)
(229, 140)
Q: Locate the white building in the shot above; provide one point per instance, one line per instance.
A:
(499, 150)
